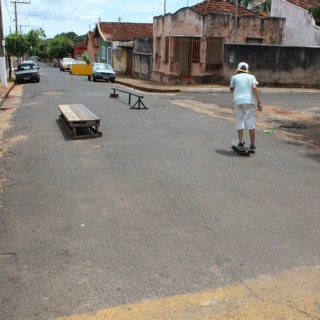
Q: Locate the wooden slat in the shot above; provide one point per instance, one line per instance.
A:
(79, 121)
(82, 112)
(68, 112)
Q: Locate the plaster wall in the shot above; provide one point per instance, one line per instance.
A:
(300, 29)
(294, 66)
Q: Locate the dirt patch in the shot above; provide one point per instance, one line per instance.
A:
(7, 109)
(5, 124)
(302, 127)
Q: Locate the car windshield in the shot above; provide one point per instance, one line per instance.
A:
(103, 66)
(27, 66)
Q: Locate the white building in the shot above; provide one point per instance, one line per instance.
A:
(300, 29)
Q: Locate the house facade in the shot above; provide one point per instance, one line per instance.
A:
(142, 58)
(115, 41)
(300, 29)
(92, 47)
(78, 50)
(188, 45)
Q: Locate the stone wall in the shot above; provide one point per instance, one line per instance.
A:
(275, 65)
(142, 58)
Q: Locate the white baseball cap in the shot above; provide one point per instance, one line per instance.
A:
(243, 67)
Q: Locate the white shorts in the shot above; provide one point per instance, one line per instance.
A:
(244, 116)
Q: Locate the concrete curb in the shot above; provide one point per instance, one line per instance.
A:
(213, 89)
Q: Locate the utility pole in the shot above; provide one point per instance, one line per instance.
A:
(3, 71)
(16, 12)
(165, 7)
(236, 23)
(22, 26)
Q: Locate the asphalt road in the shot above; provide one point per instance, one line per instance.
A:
(156, 213)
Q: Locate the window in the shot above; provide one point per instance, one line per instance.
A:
(186, 47)
(196, 49)
(158, 47)
(166, 49)
(109, 57)
(214, 54)
(253, 40)
(176, 48)
(103, 53)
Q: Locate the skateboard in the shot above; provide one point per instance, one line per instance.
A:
(242, 150)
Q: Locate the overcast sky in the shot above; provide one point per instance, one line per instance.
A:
(80, 16)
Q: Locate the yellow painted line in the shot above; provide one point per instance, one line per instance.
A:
(292, 295)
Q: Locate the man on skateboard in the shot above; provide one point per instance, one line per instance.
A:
(244, 87)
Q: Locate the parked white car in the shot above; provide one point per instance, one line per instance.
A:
(66, 63)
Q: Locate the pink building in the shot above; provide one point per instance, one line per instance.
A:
(188, 45)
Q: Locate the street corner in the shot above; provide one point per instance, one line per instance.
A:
(290, 295)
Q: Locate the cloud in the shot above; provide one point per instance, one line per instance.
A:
(58, 16)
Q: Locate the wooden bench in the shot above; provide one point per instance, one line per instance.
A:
(138, 103)
(79, 121)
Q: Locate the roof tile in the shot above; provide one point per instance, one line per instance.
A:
(125, 31)
(221, 6)
(305, 4)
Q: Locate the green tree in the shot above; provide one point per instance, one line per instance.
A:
(43, 49)
(315, 13)
(60, 47)
(72, 36)
(86, 57)
(34, 38)
(16, 46)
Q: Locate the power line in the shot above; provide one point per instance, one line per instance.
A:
(15, 11)
(5, 1)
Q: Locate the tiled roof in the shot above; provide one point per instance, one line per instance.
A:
(81, 44)
(125, 31)
(305, 4)
(221, 6)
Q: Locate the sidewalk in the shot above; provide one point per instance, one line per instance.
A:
(151, 86)
(4, 91)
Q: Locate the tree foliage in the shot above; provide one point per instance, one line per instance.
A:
(254, 5)
(60, 47)
(35, 44)
(86, 57)
(315, 12)
(34, 38)
(16, 44)
(71, 36)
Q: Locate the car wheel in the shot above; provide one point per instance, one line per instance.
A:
(94, 79)
(113, 80)
(89, 78)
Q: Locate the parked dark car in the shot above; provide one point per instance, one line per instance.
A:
(27, 72)
(56, 64)
(30, 61)
(102, 71)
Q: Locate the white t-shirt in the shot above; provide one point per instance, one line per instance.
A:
(243, 91)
